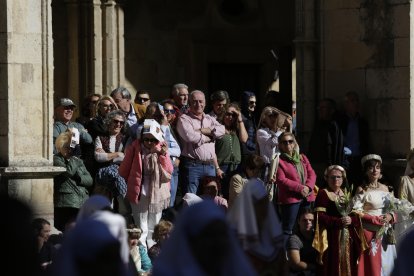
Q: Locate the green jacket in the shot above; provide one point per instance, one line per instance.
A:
(70, 187)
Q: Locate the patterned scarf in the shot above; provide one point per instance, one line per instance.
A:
(158, 182)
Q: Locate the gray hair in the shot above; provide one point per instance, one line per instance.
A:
(124, 92)
(176, 87)
(111, 115)
(190, 96)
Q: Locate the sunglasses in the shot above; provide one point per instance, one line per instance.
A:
(69, 107)
(252, 102)
(118, 122)
(111, 106)
(171, 111)
(143, 99)
(151, 140)
(287, 142)
(334, 177)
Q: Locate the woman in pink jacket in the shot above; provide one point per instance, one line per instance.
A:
(295, 180)
(147, 169)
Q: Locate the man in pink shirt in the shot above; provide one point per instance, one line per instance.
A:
(198, 131)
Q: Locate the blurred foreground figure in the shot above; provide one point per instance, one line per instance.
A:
(90, 249)
(202, 244)
(258, 228)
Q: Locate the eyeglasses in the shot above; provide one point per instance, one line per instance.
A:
(143, 99)
(335, 177)
(69, 107)
(171, 111)
(111, 106)
(252, 102)
(287, 142)
(151, 140)
(118, 122)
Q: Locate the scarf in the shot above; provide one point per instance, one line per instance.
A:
(159, 178)
(296, 159)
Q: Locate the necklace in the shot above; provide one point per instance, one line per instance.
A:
(373, 185)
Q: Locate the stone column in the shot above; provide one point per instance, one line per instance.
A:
(411, 75)
(306, 56)
(26, 103)
(113, 46)
(73, 49)
(97, 47)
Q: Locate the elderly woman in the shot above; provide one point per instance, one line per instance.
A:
(70, 187)
(374, 203)
(109, 148)
(295, 179)
(406, 188)
(272, 124)
(337, 234)
(147, 168)
(156, 111)
(108, 155)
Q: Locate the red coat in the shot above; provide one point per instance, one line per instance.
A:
(289, 184)
(131, 169)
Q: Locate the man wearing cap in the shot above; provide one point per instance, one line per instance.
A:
(198, 131)
(63, 116)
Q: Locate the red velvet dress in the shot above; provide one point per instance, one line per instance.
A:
(328, 236)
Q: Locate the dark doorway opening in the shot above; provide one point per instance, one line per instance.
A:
(233, 78)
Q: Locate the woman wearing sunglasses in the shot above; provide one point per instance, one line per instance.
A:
(295, 180)
(147, 168)
(108, 154)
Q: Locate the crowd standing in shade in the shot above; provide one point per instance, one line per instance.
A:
(233, 189)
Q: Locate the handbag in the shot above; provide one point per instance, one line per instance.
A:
(271, 186)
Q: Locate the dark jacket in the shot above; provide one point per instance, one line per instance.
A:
(70, 187)
(249, 123)
(363, 129)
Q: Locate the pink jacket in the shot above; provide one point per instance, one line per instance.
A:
(131, 169)
(288, 181)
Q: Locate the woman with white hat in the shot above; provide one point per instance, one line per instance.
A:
(147, 169)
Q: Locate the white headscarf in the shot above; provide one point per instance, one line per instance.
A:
(176, 257)
(85, 244)
(93, 204)
(191, 199)
(267, 244)
(93, 209)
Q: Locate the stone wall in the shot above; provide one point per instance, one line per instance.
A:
(365, 47)
(26, 104)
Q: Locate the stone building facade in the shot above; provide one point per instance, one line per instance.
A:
(55, 48)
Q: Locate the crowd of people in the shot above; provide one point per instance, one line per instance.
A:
(167, 188)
